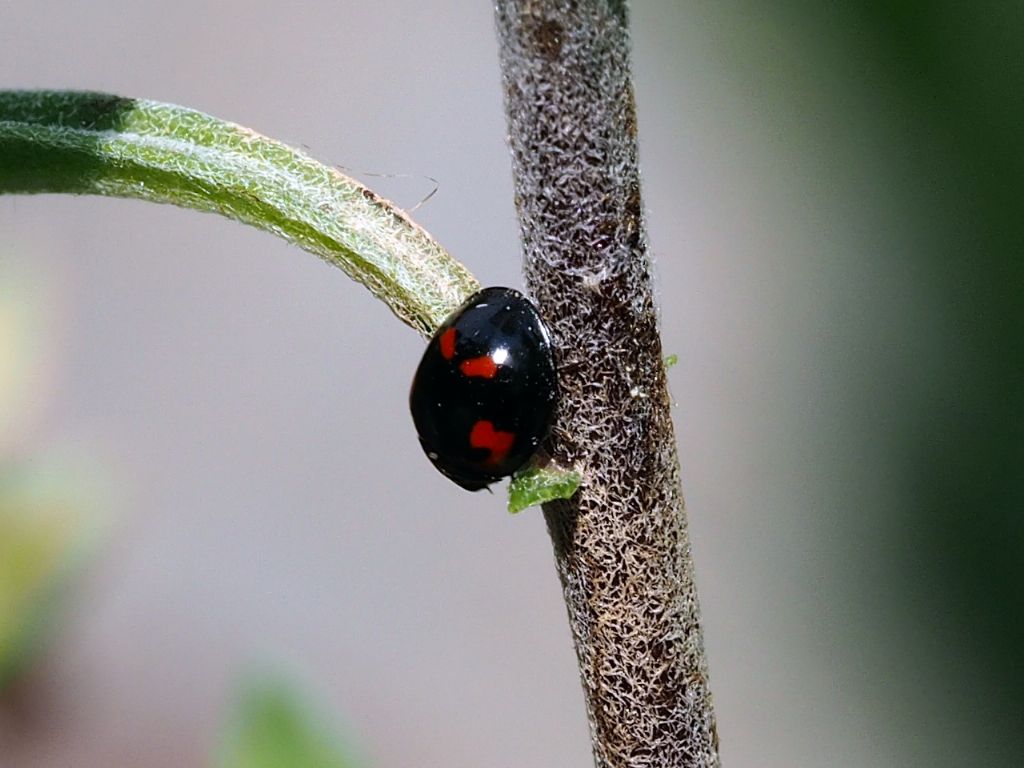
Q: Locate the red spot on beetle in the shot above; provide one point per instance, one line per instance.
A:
(484, 435)
(481, 367)
(448, 344)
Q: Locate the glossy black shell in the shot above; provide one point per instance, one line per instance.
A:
(480, 426)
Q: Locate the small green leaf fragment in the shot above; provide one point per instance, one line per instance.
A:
(670, 361)
(537, 485)
(273, 727)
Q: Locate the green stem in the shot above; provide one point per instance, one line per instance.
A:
(98, 144)
(94, 143)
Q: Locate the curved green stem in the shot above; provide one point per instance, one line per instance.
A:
(95, 143)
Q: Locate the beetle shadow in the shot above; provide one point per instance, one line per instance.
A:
(562, 517)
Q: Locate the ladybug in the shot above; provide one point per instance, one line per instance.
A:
(484, 394)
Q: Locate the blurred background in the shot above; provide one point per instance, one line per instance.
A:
(203, 455)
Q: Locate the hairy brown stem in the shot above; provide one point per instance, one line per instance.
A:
(621, 545)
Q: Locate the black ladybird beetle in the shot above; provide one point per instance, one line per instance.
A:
(484, 394)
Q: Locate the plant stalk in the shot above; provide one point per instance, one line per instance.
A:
(621, 546)
(99, 144)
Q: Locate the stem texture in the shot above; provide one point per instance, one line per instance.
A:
(620, 544)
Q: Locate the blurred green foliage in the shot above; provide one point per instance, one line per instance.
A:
(50, 505)
(947, 571)
(48, 524)
(892, 135)
(273, 728)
